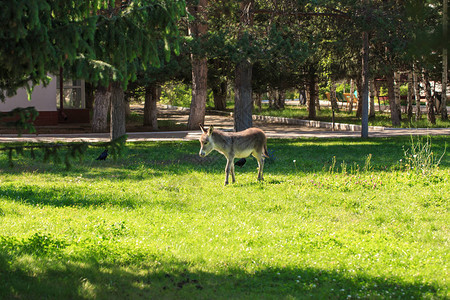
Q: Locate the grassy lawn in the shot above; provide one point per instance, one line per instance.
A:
(335, 218)
(343, 116)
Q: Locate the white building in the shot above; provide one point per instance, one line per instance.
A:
(47, 100)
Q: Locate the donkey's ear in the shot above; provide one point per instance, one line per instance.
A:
(202, 128)
(210, 130)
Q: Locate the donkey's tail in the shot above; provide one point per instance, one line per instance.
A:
(266, 152)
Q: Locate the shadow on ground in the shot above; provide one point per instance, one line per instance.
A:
(52, 275)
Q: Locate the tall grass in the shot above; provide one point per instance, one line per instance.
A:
(334, 219)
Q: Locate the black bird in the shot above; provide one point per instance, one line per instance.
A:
(103, 156)
(240, 162)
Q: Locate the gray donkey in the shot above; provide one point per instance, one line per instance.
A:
(235, 145)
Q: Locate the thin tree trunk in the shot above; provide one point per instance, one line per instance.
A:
(364, 98)
(352, 95)
(272, 95)
(410, 97)
(150, 109)
(127, 102)
(258, 101)
(333, 100)
(220, 96)
(397, 94)
(280, 99)
(359, 103)
(372, 99)
(430, 103)
(377, 94)
(391, 95)
(312, 97)
(198, 28)
(243, 96)
(102, 104)
(316, 93)
(444, 114)
(417, 94)
(90, 95)
(118, 126)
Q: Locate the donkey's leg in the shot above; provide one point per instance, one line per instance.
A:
(233, 180)
(228, 169)
(260, 159)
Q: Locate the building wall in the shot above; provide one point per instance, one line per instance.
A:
(42, 98)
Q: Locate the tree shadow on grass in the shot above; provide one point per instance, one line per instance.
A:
(52, 275)
(79, 197)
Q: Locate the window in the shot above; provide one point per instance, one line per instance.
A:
(73, 94)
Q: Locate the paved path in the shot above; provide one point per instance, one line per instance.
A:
(221, 122)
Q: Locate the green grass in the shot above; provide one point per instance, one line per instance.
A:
(335, 218)
(343, 116)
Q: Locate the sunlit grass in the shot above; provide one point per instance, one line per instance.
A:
(347, 219)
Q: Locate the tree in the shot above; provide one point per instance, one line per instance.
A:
(126, 38)
(38, 37)
(444, 115)
(198, 28)
(100, 41)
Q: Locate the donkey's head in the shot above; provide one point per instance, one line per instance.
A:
(206, 141)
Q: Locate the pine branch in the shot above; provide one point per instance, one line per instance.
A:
(51, 151)
(20, 118)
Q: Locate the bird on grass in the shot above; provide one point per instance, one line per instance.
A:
(103, 156)
(241, 162)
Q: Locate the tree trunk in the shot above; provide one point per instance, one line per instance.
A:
(397, 94)
(352, 95)
(89, 94)
(312, 97)
(220, 96)
(372, 99)
(199, 93)
(391, 95)
(280, 99)
(377, 94)
(127, 102)
(258, 100)
(316, 93)
(334, 104)
(272, 95)
(118, 127)
(444, 115)
(409, 110)
(150, 110)
(364, 98)
(243, 96)
(417, 94)
(102, 104)
(430, 104)
(359, 92)
(198, 28)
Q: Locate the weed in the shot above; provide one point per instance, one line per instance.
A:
(420, 158)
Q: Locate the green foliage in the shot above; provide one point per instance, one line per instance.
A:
(93, 40)
(21, 119)
(177, 94)
(53, 152)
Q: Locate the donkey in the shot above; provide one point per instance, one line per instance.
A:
(235, 145)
